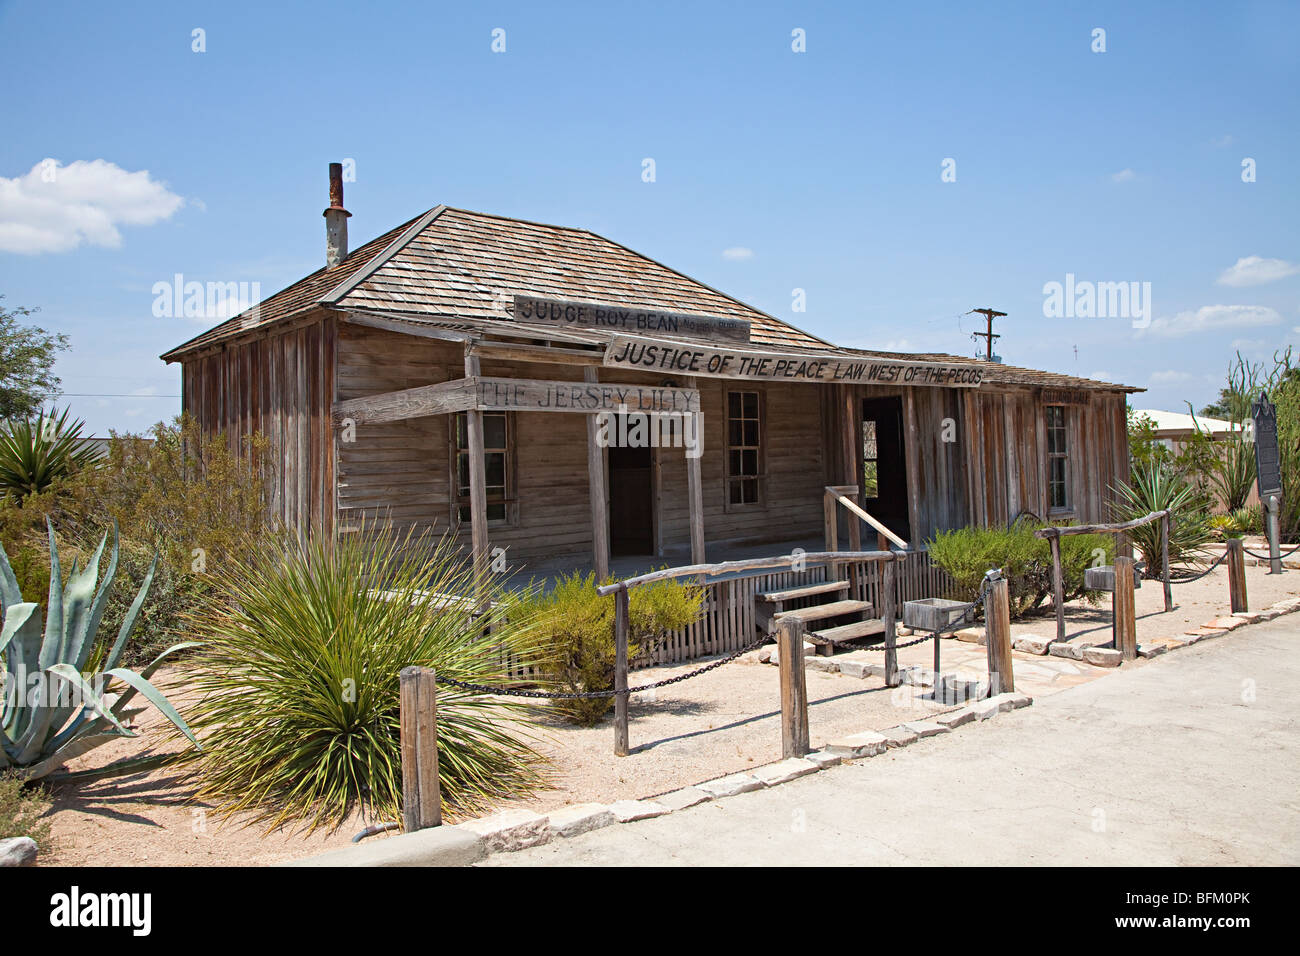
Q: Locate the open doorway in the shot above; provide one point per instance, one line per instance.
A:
(631, 501)
(884, 464)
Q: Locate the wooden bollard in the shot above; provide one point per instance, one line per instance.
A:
(620, 673)
(1237, 576)
(891, 633)
(421, 795)
(997, 637)
(1058, 584)
(1123, 615)
(1164, 558)
(794, 689)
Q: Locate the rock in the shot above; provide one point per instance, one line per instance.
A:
(731, 785)
(971, 635)
(959, 690)
(683, 798)
(900, 736)
(808, 651)
(1268, 614)
(580, 818)
(926, 728)
(855, 746)
(18, 851)
(784, 770)
(511, 830)
(1065, 649)
(954, 719)
(916, 675)
(764, 654)
(625, 811)
(819, 663)
(1248, 616)
(1226, 623)
(1032, 644)
(1152, 650)
(824, 758)
(997, 704)
(1017, 699)
(855, 669)
(1102, 656)
(902, 631)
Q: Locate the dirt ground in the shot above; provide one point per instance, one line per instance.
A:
(721, 722)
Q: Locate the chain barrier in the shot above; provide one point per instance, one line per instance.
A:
(1269, 557)
(1196, 577)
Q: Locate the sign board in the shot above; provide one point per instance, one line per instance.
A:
(649, 355)
(624, 318)
(530, 395)
(1268, 464)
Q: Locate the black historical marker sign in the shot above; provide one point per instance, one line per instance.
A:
(628, 319)
(1268, 464)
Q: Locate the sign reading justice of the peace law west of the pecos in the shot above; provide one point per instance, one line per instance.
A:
(624, 318)
(660, 356)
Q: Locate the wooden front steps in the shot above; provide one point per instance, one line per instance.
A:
(828, 615)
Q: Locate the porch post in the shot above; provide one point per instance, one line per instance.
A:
(597, 493)
(477, 476)
(695, 488)
(852, 453)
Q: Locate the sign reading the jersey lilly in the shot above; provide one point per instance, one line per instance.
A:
(622, 318)
(660, 356)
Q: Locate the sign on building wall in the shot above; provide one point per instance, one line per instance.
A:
(529, 395)
(621, 318)
(688, 359)
(1268, 464)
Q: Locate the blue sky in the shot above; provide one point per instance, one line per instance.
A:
(774, 170)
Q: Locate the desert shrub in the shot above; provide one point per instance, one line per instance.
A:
(299, 716)
(574, 627)
(22, 812)
(1026, 562)
(1158, 487)
(35, 453)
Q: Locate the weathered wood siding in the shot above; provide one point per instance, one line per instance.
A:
(281, 386)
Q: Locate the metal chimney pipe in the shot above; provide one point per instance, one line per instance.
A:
(336, 220)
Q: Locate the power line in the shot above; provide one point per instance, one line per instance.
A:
(988, 336)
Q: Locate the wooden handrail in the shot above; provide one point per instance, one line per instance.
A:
(726, 567)
(1054, 530)
(838, 492)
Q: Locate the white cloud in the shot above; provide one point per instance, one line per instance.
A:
(1210, 317)
(1252, 270)
(1101, 376)
(1169, 377)
(1123, 176)
(737, 253)
(1222, 141)
(56, 208)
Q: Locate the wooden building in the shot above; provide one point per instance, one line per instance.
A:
(463, 371)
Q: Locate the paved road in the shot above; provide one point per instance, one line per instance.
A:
(1190, 758)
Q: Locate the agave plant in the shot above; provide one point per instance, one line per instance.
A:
(69, 712)
(35, 454)
(1156, 487)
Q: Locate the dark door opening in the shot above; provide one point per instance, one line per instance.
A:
(884, 464)
(631, 501)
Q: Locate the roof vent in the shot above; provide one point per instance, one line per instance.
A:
(336, 220)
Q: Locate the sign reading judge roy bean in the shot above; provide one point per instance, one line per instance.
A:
(619, 318)
(660, 356)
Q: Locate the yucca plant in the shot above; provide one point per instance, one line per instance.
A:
(69, 712)
(36, 453)
(1156, 487)
(299, 714)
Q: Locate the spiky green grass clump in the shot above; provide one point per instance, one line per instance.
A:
(299, 714)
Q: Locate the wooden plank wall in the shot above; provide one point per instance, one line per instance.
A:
(280, 386)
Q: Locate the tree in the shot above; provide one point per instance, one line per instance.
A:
(27, 354)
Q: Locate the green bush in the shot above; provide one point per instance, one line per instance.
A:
(1026, 562)
(574, 627)
(36, 453)
(23, 812)
(299, 716)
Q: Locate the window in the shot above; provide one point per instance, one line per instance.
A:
(744, 447)
(1058, 456)
(497, 439)
(870, 460)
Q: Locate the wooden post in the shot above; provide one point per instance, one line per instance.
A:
(1058, 586)
(891, 635)
(794, 690)
(829, 504)
(1164, 558)
(421, 797)
(597, 493)
(620, 673)
(1123, 613)
(997, 637)
(477, 479)
(1237, 576)
(695, 489)
(852, 436)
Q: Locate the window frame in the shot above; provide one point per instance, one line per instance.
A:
(1063, 456)
(760, 478)
(509, 496)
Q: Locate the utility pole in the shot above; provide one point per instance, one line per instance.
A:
(989, 336)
